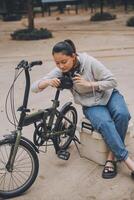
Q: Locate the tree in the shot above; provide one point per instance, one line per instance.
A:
(30, 14)
(102, 16)
(30, 33)
(101, 6)
(125, 5)
(17, 7)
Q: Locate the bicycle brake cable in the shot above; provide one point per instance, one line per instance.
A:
(12, 104)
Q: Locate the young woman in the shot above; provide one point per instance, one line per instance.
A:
(94, 89)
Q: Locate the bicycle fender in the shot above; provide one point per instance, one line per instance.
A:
(30, 143)
(7, 138)
(66, 105)
(11, 138)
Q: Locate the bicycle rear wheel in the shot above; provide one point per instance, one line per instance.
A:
(16, 181)
(62, 124)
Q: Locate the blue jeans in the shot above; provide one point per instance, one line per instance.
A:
(111, 121)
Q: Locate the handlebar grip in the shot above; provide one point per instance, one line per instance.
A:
(38, 62)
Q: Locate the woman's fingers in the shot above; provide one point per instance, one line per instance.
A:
(76, 80)
(55, 82)
(82, 82)
(77, 77)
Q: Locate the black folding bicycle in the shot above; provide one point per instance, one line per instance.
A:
(19, 163)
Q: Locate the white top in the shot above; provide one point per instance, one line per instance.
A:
(92, 70)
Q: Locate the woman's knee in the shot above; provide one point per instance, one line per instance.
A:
(123, 116)
(103, 125)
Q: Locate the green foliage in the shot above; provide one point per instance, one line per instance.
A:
(31, 34)
(102, 16)
(130, 21)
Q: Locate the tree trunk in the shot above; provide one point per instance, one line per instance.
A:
(30, 14)
(101, 6)
(113, 4)
(126, 5)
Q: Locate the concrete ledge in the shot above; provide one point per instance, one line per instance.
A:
(93, 146)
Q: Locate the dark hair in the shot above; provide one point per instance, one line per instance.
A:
(66, 47)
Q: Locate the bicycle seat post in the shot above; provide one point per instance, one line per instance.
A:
(56, 101)
(57, 94)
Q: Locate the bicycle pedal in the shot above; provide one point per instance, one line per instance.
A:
(64, 155)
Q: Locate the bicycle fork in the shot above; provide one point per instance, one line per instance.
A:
(13, 151)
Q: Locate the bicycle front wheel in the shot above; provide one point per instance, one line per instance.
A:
(25, 169)
(67, 124)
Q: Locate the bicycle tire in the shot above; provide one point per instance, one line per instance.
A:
(59, 125)
(19, 164)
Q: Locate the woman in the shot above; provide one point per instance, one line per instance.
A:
(94, 89)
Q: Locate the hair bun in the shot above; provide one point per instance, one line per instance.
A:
(67, 47)
(70, 42)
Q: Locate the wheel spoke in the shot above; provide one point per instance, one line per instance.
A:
(24, 174)
(19, 154)
(13, 177)
(1, 161)
(6, 152)
(9, 182)
(23, 171)
(19, 165)
(21, 160)
(2, 155)
(12, 181)
(3, 178)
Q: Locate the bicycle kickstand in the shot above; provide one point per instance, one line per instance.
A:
(76, 140)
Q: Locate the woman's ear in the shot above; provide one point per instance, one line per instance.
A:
(73, 55)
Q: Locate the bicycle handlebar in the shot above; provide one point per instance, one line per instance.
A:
(38, 62)
(25, 65)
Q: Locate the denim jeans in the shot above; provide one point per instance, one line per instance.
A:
(111, 121)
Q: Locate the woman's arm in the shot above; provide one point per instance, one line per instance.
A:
(51, 79)
(103, 76)
(50, 82)
(103, 79)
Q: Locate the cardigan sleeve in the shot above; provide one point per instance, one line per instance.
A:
(103, 76)
(55, 73)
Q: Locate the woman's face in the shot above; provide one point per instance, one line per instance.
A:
(64, 62)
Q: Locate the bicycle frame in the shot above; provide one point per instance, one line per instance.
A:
(51, 112)
(26, 119)
(20, 152)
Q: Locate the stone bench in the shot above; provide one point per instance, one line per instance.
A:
(93, 146)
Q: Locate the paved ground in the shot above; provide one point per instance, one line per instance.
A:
(110, 42)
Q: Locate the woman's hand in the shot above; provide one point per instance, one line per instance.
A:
(79, 80)
(55, 82)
